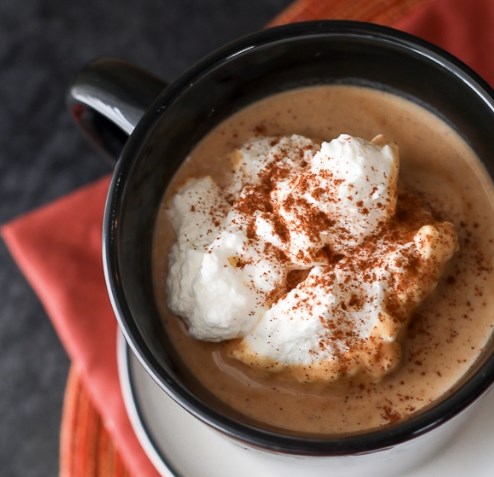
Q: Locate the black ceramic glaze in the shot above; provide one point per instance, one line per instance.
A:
(328, 52)
(107, 100)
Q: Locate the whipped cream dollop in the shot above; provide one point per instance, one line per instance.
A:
(310, 261)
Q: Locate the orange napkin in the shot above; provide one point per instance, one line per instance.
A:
(58, 247)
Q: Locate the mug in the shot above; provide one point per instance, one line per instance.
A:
(152, 127)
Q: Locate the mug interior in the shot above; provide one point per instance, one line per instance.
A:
(258, 66)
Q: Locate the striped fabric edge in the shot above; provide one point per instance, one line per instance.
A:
(86, 448)
(384, 12)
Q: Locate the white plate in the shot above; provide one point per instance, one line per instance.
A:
(179, 445)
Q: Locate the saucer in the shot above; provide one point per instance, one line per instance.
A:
(179, 445)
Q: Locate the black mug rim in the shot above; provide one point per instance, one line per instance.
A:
(372, 440)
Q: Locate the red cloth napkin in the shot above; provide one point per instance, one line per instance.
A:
(58, 247)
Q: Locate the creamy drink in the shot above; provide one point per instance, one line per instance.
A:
(380, 345)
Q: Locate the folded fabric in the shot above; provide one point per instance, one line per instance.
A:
(462, 27)
(58, 247)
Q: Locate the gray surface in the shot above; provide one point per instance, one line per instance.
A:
(42, 157)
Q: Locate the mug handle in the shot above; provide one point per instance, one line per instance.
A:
(108, 98)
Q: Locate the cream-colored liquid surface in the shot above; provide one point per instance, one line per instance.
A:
(447, 333)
